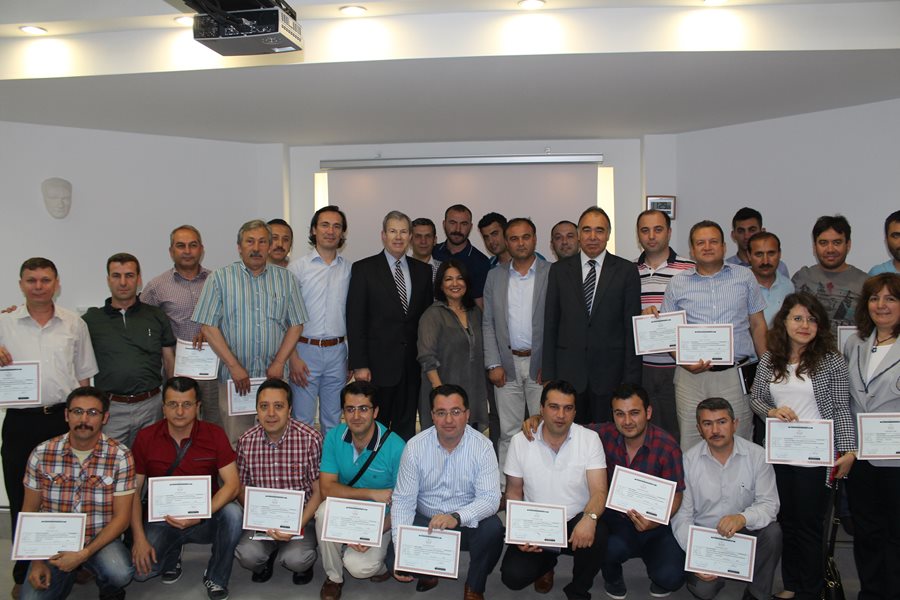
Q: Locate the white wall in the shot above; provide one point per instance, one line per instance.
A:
(794, 170)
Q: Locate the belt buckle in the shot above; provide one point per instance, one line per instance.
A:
(47, 409)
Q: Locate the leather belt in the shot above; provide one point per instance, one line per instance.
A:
(134, 398)
(322, 343)
(716, 368)
(50, 409)
(521, 352)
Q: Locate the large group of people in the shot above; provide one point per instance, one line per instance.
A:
(473, 381)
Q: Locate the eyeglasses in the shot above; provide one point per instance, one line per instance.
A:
(800, 319)
(453, 412)
(363, 410)
(80, 412)
(186, 405)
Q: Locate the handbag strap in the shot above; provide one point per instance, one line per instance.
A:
(369, 460)
(835, 520)
(181, 451)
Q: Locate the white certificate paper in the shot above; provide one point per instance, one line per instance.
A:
(800, 442)
(653, 335)
(42, 535)
(353, 522)
(651, 496)
(536, 524)
(182, 497)
(268, 508)
(879, 436)
(202, 364)
(246, 404)
(435, 553)
(708, 552)
(20, 384)
(714, 343)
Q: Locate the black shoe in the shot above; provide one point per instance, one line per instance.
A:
(266, 573)
(304, 577)
(423, 584)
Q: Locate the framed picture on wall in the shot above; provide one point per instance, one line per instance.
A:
(665, 204)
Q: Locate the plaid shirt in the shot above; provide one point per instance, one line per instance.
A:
(177, 297)
(292, 463)
(68, 486)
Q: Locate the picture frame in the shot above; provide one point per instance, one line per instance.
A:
(664, 204)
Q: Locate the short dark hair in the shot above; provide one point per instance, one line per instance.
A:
(182, 384)
(273, 383)
(558, 385)
(596, 210)
(703, 224)
(627, 390)
(425, 222)
(457, 208)
(872, 286)
(894, 217)
(492, 217)
(518, 221)
(448, 389)
(360, 388)
(654, 211)
(563, 222)
(746, 213)
(315, 221)
(837, 222)
(715, 404)
(760, 236)
(281, 222)
(88, 391)
(37, 262)
(453, 263)
(123, 257)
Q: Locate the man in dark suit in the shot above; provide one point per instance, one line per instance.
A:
(387, 295)
(588, 337)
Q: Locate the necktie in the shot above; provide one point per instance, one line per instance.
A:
(401, 286)
(589, 283)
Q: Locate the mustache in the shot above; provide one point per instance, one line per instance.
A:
(85, 427)
(255, 254)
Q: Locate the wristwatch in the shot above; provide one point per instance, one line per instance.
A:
(458, 518)
(593, 516)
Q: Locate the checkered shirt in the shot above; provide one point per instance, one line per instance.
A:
(660, 455)
(292, 463)
(67, 486)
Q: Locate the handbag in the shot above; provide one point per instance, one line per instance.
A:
(833, 588)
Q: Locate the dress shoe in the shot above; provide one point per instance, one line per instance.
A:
(544, 583)
(303, 578)
(331, 590)
(380, 578)
(470, 594)
(266, 573)
(423, 584)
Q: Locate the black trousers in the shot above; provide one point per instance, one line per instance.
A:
(592, 406)
(398, 403)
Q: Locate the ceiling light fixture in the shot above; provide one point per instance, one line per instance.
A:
(531, 4)
(184, 20)
(714, 2)
(353, 11)
(32, 29)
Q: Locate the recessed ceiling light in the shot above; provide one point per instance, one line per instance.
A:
(33, 29)
(714, 2)
(353, 11)
(531, 4)
(184, 20)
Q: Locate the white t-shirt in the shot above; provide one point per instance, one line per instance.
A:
(797, 394)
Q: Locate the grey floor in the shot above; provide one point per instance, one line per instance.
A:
(195, 557)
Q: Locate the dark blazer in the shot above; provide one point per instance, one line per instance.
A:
(379, 336)
(596, 348)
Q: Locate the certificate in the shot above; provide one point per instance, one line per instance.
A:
(42, 535)
(435, 553)
(800, 442)
(202, 364)
(20, 384)
(653, 335)
(268, 508)
(180, 497)
(714, 343)
(844, 333)
(243, 404)
(536, 524)
(353, 521)
(632, 490)
(708, 552)
(879, 435)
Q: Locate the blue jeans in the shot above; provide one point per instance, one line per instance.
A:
(223, 531)
(657, 547)
(327, 377)
(111, 566)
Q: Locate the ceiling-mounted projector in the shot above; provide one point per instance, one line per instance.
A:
(244, 27)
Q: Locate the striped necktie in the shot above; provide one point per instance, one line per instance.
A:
(589, 283)
(401, 286)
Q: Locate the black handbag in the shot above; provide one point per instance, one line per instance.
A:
(833, 588)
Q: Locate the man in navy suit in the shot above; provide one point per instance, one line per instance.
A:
(388, 293)
(588, 336)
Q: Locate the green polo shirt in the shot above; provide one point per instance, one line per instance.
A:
(339, 457)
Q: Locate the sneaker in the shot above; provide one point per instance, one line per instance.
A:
(616, 589)
(657, 591)
(172, 575)
(214, 591)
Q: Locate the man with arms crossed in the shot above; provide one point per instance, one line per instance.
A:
(324, 277)
(448, 480)
(716, 292)
(181, 444)
(62, 477)
(892, 241)
(252, 315)
(347, 450)
(564, 465)
(729, 488)
(57, 338)
(280, 453)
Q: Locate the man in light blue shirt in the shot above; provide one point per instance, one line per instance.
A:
(324, 278)
(892, 241)
(765, 258)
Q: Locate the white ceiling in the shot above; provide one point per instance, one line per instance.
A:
(599, 95)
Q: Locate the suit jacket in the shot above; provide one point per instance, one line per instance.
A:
(595, 349)
(380, 336)
(495, 326)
